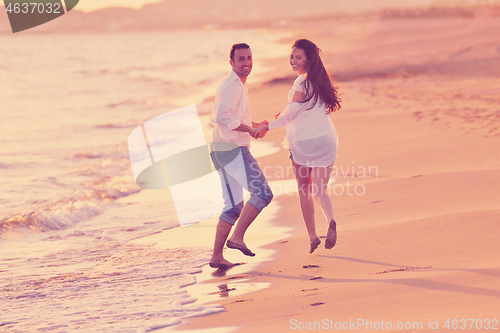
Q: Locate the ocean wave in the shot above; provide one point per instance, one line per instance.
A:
(117, 152)
(82, 206)
(124, 124)
(58, 216)
(90, 154)
(51, 180)
(107, 188)
(94, 283)
(126, 102)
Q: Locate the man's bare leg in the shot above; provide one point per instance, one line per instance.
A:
(221, 234)
(247, 216)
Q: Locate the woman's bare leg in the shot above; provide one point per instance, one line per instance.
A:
(303, 177)
(320, 178)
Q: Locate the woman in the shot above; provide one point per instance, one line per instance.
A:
(310, 135)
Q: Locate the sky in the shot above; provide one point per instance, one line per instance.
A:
(90, 5)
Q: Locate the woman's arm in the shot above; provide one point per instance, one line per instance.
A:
(287, 115)
(257, 125)
(298, 96)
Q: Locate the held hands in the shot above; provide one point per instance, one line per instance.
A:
(262, 123)
(259, 130)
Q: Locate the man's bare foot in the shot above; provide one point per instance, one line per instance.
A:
(331, 235)
(242, 247)
(222, 263)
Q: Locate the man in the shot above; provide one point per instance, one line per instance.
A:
(231, 156)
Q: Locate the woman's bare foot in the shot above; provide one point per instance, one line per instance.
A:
(331, 235)
(314, 244)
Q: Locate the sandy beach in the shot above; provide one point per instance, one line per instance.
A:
(415, 189)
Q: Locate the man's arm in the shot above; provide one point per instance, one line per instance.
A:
(227, 100)
(246, 128)
(229, 97)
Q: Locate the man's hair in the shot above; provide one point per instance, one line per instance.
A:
(236, 47)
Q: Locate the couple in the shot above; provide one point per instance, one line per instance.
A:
(310, 137)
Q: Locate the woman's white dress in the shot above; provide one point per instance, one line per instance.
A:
(310, 134)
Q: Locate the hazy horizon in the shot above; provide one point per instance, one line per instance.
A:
(346, 6)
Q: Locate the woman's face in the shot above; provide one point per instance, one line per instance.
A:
(298, 60)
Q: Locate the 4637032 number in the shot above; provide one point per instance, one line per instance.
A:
(462, 324)
(34, 7)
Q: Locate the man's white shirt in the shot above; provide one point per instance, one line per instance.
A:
(230, 109)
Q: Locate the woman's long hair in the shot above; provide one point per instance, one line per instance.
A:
(318, 78)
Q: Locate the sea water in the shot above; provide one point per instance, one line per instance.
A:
(67, 106)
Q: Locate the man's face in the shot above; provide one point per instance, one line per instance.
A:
(242, 64)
